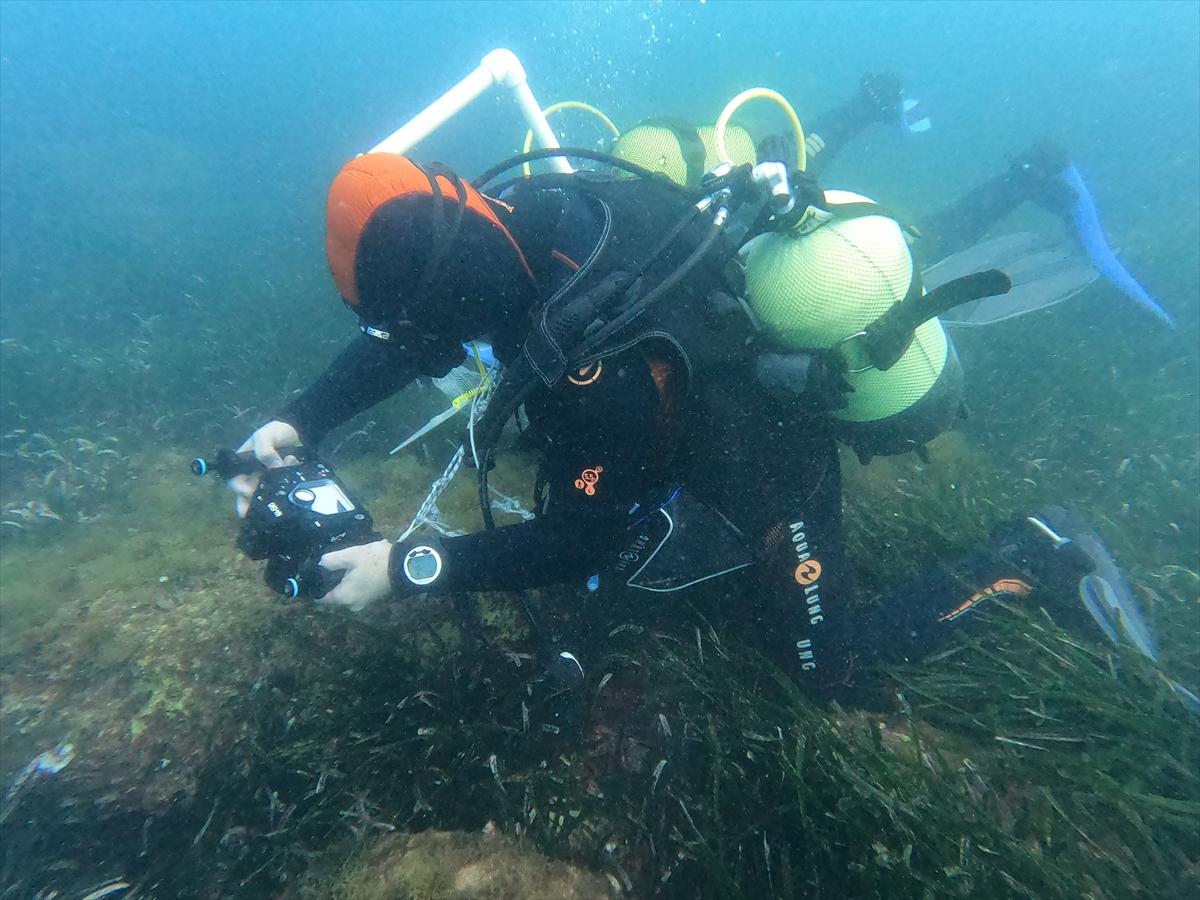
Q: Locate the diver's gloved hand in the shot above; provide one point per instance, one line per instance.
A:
(1034, 175)
(365, 574)
(782, 148)
(815, 378)
(1046, 158)
(266, 444)
(881, 93)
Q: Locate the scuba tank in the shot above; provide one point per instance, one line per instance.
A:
(681, 151)
(822, 285)
(836, 275)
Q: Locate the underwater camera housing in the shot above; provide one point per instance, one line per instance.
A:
(298, 514)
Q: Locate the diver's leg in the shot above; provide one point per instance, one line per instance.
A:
(921, 616)
(805, 621)
(1034, 177)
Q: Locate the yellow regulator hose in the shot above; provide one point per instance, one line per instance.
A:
(756, 94)
(572, 104)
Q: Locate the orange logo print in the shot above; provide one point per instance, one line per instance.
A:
(808, 571)
(587, 480)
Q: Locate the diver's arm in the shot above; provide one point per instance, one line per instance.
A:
(547, 550)
(877, 101)
(599, 451)
(364, 373)
(368, 371)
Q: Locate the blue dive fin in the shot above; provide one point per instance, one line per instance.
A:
(914, 116)
(1087, 222)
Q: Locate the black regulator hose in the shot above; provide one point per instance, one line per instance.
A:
(640, 306)
(579, 153)
(502, 406)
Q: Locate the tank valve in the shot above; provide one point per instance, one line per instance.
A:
(775, 176)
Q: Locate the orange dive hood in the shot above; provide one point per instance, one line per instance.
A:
(367, 184)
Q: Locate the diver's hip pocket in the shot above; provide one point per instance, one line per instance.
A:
(681, 544)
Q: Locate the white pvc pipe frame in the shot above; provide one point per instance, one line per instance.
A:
(498, 67)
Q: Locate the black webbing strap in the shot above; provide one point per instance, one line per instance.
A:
(690, 144)
(444, 234)
(886, 339)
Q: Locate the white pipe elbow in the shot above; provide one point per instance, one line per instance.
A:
(506, 69)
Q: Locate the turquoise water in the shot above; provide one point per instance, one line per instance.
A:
(163, 289)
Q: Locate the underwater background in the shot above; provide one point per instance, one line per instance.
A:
(164, 289)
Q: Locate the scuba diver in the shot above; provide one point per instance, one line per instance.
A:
(657, 347)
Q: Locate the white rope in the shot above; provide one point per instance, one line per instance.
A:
(433, 519)
(430, 505)
(510, 505)
(428, 514)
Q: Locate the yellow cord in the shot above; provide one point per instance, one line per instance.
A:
(458, 401)
(478, 362)
(568, 104)
(765, 94)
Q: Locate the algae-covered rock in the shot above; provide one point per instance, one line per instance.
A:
(451, 864)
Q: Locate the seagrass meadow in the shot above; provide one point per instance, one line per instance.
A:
(230, 743)
(169, 727)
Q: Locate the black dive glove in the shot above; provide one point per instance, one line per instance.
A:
(881, 95)
(1034, 175)
(777, 148)
(816, 379)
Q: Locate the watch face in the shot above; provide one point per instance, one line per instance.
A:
(422, 565)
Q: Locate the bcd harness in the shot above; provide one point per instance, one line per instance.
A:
(595, 313)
